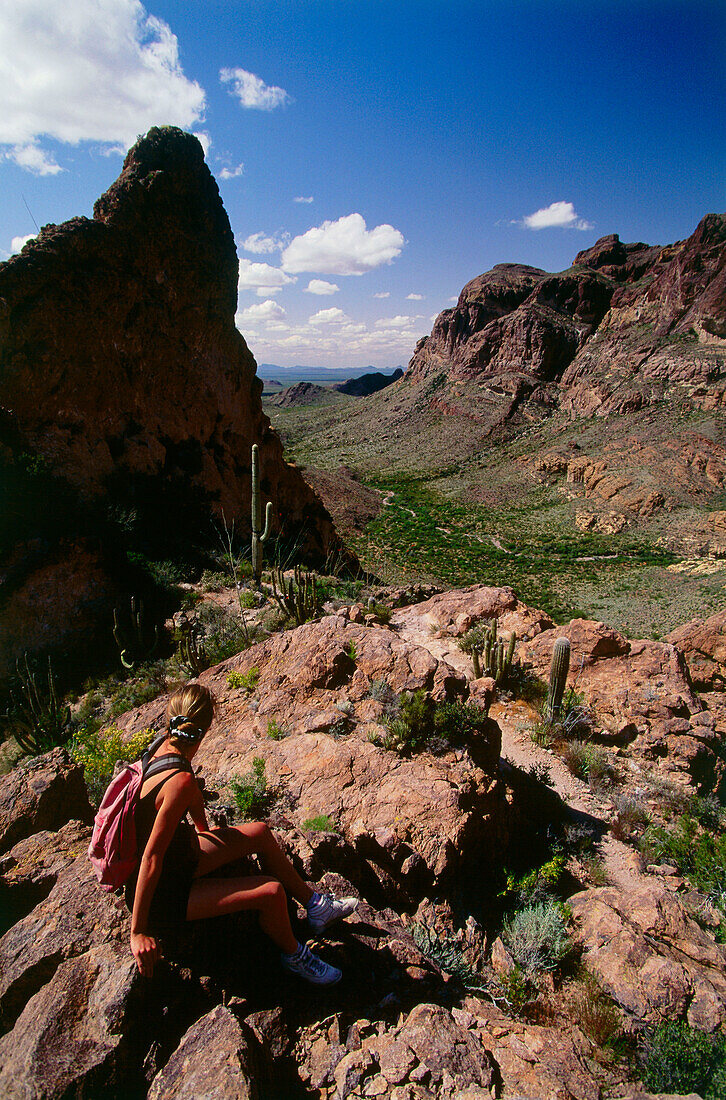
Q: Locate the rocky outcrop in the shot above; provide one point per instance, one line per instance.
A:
(650, 956)
(703, 644)
(641, 692)
(367, 384)
(42, 793)
(519, 328)
(214, 1058)
(126, 386)
(301, 393)
(220, 1018)
(405, 824)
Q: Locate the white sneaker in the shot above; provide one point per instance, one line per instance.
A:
(329, 910)
(309, 966)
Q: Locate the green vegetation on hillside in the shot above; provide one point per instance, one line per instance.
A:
(525, 545)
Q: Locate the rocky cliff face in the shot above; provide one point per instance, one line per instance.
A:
(123, 375)
(623, 326)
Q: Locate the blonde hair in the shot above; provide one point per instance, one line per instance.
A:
(196, 703)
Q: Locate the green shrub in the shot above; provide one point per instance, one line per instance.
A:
(225, 633)
(350, 651)
(516, 990)
(680, 1060)
(698, 855)
(537, 937)
(37, 718)
(275, 731)
(589, 762)
(417, 722)
(631, 819)
(250, 791)
(535, 886)
(321, 823)
(245, 681)
(98, 752)
(445, 952)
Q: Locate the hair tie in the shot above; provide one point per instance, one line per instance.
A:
(181, 720)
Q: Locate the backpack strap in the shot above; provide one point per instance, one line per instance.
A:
(166, 763)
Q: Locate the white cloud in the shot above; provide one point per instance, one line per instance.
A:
(382, 294)
(330, 336)
(319, 286)
(332, 316)
(343, 247)
(252, 91)
(87, 70)
(558, 215)
(414, 297)
(396, 322)
(303, 198)
(232, 173)
(33, 159)
(204, 140)
(262, 311)
(262, 278)
(18, 243)
(260, 244)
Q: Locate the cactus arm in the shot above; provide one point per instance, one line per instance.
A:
(268, 522)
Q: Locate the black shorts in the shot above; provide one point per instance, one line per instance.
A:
(168, 907)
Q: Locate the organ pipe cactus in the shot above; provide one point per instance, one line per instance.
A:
(558, 678)
(38, 720)
(135, 644)
(489, 655)
(259, 535)
(299, 598)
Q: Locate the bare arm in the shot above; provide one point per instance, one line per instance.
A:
(197, 811)
(176, 799)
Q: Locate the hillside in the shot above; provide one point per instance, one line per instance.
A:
(551, 420)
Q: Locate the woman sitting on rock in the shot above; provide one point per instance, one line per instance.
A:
(175, 879)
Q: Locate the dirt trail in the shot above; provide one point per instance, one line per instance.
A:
(516, 719)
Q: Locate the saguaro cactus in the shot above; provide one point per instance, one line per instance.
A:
(558, 677)
(135, 644)
(259, 536)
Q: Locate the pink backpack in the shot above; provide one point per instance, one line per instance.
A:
(113, 850)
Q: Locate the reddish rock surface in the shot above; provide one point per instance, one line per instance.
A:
(650, 956)
(520, 327)
(415, 821)
(703, 644)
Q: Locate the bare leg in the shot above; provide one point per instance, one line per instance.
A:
(220, 846)
(213, 897)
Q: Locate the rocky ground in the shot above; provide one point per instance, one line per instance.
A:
(422, 840)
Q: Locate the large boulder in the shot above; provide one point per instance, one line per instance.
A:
(650, 955)
(70, 1037)
(41, 793)
(703, 644)
(214, 1058)
(419, 819)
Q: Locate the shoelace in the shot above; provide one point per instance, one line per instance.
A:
(312, 962)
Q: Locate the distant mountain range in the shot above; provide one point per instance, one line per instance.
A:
(287, 375)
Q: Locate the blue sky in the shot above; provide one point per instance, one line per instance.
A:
(430, 140)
